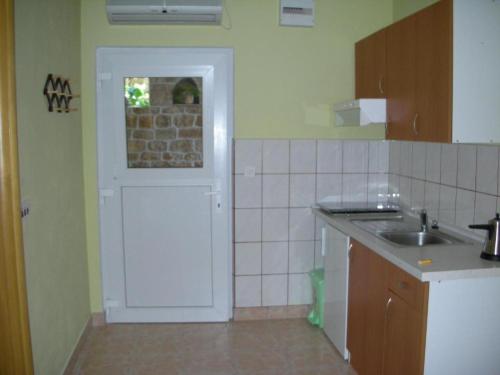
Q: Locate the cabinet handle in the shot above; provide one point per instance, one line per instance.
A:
(380, 87)
(389, 301)
(386, 322)
(415, 124)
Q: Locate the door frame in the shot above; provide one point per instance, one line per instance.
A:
(223, 118)
(15, 341)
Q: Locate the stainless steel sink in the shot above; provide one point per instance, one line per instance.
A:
(418, 238)
(403, 231)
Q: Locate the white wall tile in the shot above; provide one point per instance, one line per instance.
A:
(248, 291)
(247, 153)
(248, 258)
(274, 257)
(303, 156)
(394, 156)
(248, 225)
(302, 190)
(299, 289)
(487, 170)
(417, 194)
(465, 208)
(274, 290)
(318, 258)
(449, 163)
(447, 200)
(301, 224)
(247, 191)
(355, 157)
(433, 162)
(418, 159)
(355, 188)
(276, 156)
(329, 187)
(301, 257)
(485, 209)
(466, 175)
(405, 192)
(405, 159)
(329, 156)
(378, 157)
(275, 190)
(275, 224)
(393, 188)
(432, 199)
(378, 187)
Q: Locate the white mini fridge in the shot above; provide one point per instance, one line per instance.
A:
(335, 247)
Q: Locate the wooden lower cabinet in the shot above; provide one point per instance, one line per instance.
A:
(387, 311)
(402, 338)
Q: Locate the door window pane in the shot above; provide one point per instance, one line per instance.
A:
(164, 122)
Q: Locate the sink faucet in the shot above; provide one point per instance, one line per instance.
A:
(423, 221)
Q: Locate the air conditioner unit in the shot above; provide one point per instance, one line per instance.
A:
(146, 12)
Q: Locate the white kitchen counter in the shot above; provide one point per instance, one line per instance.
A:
(449, 262)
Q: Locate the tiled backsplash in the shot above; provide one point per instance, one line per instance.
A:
(276, 240)
(458, 184)
(277, 181)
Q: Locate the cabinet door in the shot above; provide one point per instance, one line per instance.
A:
(357, 306)
(402, 339)
(434, 72)
(370, 66)
(366, 309)
(401, 68)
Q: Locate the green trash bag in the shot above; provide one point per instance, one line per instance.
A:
(315, 317)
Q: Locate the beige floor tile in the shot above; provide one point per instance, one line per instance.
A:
(266, 347)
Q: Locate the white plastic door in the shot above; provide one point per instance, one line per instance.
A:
(164, 130)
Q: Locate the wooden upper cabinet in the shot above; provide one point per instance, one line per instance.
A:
(419, 75)
(434, 72)
(401, 68)
(371, 66)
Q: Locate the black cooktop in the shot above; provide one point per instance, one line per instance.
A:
(357, 207)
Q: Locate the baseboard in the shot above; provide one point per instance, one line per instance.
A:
(271, 312)
(70, 365)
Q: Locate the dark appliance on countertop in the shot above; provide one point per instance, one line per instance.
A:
(491, 249)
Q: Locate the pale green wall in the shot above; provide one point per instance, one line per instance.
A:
(403, 8)
(50, 148)
(285, 78)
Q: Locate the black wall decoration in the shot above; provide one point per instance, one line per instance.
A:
(57, 90)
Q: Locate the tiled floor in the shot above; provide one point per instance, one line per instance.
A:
(277, 347)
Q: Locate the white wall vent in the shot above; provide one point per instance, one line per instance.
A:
(360, 112)
(297, 13)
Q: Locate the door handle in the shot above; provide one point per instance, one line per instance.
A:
(218, 199)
